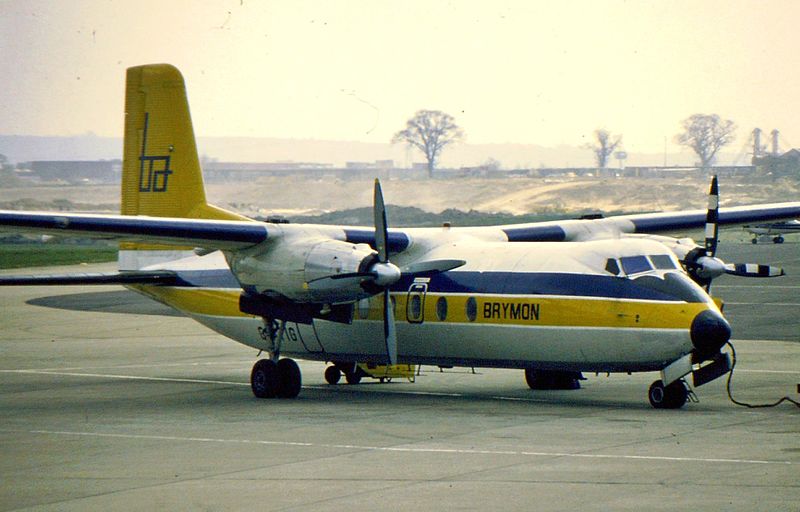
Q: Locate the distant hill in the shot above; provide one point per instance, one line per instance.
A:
(24, 148)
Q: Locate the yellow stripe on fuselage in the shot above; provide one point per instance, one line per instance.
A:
(467, 309)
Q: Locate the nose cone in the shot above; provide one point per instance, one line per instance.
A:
(709, 332)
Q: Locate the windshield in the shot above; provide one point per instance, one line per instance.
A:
(674, 285)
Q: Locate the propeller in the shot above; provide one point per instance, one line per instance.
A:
(387, 273)
(712, 218)
(381, 274)
(702, 263)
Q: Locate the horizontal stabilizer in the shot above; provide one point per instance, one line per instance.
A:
(160, 277)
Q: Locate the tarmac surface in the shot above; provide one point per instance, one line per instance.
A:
(107, 405)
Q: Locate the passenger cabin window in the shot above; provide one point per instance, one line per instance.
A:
(612, 267)
(663, 261)
(441, 309)
(635, 264)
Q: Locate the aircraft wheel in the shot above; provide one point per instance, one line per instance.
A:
(353, 377)
(289, 378)
(754, 241)
(264, 379)
(670, 397)
(778, 240)
(545, 379)
(332, 375)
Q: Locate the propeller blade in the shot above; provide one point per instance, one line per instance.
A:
(389, 333)
(432, 266)
(386, 272)
(753, 270)
(712, 218)
(381, 229)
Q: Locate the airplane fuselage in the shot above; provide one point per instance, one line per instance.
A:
(622, 305)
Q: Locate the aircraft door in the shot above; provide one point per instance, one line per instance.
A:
(415, 303)
(306, 336)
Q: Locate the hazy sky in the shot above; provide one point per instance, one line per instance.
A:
(546, 72)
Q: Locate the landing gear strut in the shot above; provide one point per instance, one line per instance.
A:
(672, 396)
(275, 377)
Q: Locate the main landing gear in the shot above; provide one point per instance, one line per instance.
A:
(270, 379)
(672, 396)
(549, 379)
(275, 377)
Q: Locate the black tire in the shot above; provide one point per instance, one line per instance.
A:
(778, 240)
(673, 396)
(548, 379)
(754, 241)
(332, 375)
(533, 379)
(264, 379)
(353, 377)
(290, 379)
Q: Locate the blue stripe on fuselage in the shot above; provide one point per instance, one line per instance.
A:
(538, 283)
(501, 283)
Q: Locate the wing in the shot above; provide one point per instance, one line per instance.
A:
(209, 234)
(158, 277)
(650, 223)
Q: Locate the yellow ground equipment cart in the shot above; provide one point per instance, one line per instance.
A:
(354, 372)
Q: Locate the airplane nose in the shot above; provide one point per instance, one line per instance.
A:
(709, 332)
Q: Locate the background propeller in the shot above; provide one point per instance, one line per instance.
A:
(703, 265)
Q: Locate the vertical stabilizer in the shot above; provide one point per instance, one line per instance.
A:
(161, 175)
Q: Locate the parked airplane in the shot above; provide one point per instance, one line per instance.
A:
(552, 298)
(773, 231)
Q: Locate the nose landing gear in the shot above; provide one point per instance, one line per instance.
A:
(673, 396)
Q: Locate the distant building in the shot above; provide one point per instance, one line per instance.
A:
(75, 171)
(787, 164)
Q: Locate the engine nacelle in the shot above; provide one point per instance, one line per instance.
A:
(305, 270)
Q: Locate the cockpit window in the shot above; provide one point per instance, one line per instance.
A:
(612, 267)
(662, 261)
(674, 285)
(635, 264)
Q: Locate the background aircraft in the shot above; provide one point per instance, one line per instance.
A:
(554, 298)
(773, 230)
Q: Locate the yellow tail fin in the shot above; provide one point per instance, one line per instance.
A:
(161, 173)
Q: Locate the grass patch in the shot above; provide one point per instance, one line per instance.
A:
(43, 255)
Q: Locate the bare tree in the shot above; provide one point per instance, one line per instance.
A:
(605, 146)
(430, 131)
(705, 134)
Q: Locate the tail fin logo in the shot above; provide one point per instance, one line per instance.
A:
(154, 171)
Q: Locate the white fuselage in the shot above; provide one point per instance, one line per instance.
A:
(534, 304)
